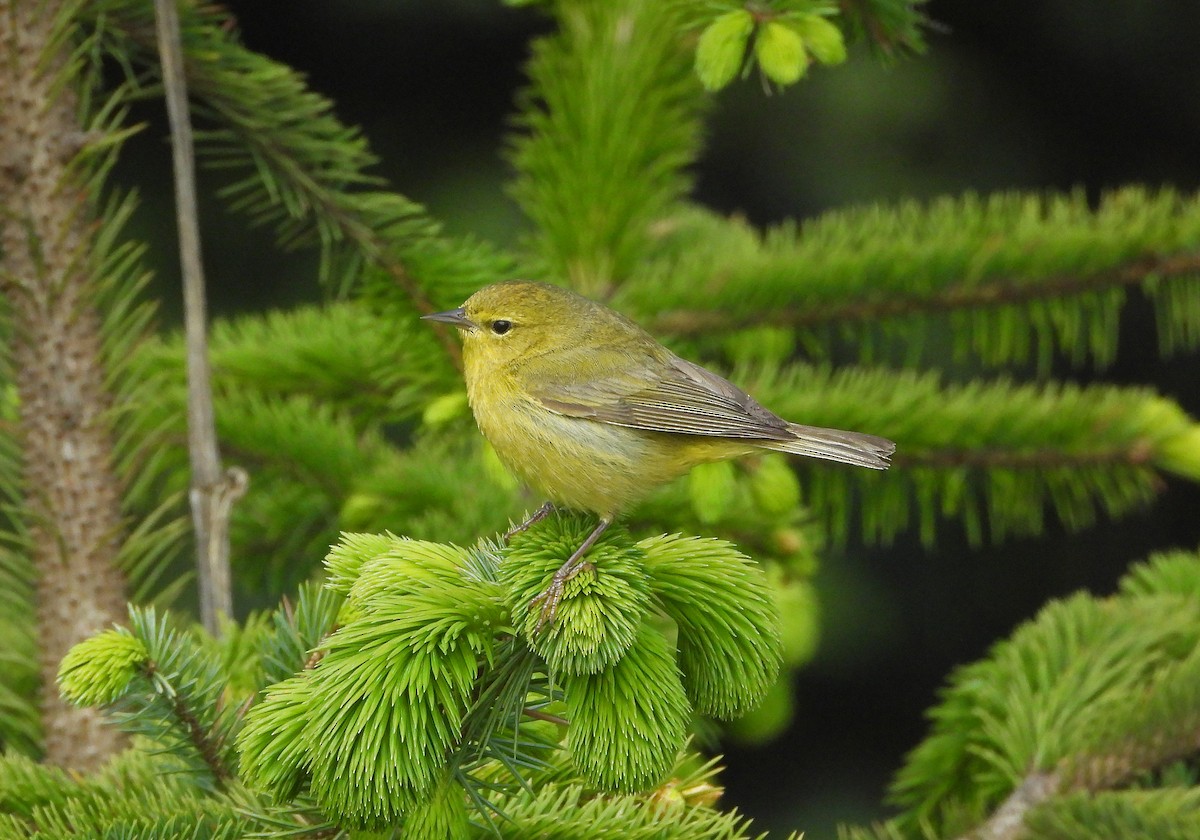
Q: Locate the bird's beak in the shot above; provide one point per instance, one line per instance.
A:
(457, 317)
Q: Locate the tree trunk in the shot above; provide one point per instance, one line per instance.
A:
(72, 494)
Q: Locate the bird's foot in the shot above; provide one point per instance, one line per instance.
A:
(536, 517)
(549, 599)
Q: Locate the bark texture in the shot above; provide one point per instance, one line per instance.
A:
(72, 494)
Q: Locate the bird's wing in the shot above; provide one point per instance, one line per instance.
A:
(665, 395)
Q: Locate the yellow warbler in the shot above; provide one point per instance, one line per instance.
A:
(587, 408)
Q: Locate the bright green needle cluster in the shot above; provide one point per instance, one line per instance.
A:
(602, 608)
(1089, 708)
(422, 693)
(374, 724)
(725, 656)
(444, 814)
(729, 648)
(98, 670)
(642, 698)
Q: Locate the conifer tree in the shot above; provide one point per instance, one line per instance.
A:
(405, 691)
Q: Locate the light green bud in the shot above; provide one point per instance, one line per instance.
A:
(780, 53)
(769, 719)
(360, 511)
(97, 671)
(722, 49)
(823, 39)
(774, 486)
(799, 621)
(712, 488)
(495, 470)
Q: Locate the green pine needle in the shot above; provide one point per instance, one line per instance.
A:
(382, 713)
(97, 671)
(610, 122)
(566, 811)
(274, 755)
(1010, 278)
(298, 631)
(729, 638)
(1167, 573)
(628, 721)
(601, 609)
(1097, 693)
(376, 721)
(996, 456)
(1168, 814)
(345, 561)
(442, 815)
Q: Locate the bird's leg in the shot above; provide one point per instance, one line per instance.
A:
(537, 516)
(575, 564)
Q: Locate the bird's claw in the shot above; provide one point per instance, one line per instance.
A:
(550, 597)
(548, 602)
(537, 516)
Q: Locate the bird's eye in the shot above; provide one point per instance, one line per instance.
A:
(500, 327)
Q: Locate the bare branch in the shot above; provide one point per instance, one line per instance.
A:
(213, 491)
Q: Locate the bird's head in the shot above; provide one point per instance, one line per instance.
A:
(507, 323)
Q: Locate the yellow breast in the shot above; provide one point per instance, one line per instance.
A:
(576, 463)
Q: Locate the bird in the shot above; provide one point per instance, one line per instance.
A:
(589, 409)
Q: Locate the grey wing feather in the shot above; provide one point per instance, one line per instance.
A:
(855, 448)
(687, 399)
(684, 399)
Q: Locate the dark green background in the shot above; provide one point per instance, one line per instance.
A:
(1030, 95)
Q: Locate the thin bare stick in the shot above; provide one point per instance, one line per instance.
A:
(213, 490)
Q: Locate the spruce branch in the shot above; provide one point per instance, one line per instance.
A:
(998, 291)
(306, 172)
(876, 281)
(1091, 699)
(995, 456)
(376, 721)
(160, 684)
(891, 27)
(1008, 821)
(572, 811)
(1170, 812)
(201, 739)
(538, 714)
(429, 695)
(612, 120)
(1161, 737)
(349, 354)
(138, 795)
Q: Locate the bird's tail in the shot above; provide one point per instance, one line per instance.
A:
(836, 445)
